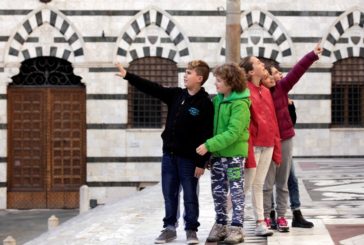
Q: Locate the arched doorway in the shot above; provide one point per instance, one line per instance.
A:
(46, 135)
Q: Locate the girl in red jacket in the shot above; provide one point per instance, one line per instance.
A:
(279, 87)
(264, 141)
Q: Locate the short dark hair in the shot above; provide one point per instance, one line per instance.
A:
(233, 76)
(201, 68)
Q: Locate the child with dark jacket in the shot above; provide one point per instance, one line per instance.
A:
(189, 123)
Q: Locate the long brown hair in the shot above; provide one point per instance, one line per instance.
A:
(247, 65)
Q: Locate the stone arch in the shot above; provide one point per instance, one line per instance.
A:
(163, 24)
(262, 35)
(345, 37)
(15, 51)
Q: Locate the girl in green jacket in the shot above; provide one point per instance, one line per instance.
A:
(229, 148)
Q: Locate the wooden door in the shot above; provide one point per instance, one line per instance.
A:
(46, 147)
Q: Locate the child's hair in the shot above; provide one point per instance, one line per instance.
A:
(270, 66)
(201, 68)
(247, 65)
(232, 75)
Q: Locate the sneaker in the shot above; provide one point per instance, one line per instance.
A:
(191, 237)
(273, 223)
(217, 233)
(167, 235)
(282, 225)
(268, 222)
(262, 230)
(235, 235)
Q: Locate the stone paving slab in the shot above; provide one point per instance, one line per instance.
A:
(319, 235)
(24, 225)
(138, 219)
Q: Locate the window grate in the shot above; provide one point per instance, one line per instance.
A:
(348, 93)
(145, 111)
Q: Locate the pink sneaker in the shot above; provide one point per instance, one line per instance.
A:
(282, 225)
(268, 222)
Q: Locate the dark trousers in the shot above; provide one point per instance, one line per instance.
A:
(178, 171)
(294, 193)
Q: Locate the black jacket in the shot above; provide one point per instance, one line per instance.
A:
(189, 119)
(292, 113)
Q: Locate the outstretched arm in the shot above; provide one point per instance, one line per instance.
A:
(152, 88)
(300, 68)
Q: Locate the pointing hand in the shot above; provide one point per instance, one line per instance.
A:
(317, 50)
(122, 71)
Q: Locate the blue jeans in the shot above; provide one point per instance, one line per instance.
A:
(178, 171)
(294, 193)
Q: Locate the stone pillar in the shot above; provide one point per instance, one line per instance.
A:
(53, 222)
(84, 199)
(9, 241)
(233, 31)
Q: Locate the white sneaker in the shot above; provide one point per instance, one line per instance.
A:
(262, 230)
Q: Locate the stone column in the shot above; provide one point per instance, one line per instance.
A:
(53, 222)
(9, 241)
(84, 199)
(233, 30)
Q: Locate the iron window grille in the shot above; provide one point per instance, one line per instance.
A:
(347, 94)
(145, 111)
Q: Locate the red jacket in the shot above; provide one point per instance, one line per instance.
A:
(280, 94)
(263, 124)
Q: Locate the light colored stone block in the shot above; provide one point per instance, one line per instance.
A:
(106, 143)
(3, 198)
(106, 195)
(130, 171)
(312, 142)
(104, 83)
(3, 142)
(144, 142)
(318, 111)
(313, 83)
(107, 111)
(3, 171)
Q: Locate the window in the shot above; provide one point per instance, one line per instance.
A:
(347, 95)
(145, 111)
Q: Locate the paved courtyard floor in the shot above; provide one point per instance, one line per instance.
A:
(332, 196)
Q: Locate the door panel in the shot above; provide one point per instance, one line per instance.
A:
(46, 147)
(67, 151)
(27, 147)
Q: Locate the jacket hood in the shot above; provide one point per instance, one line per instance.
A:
(235, 96)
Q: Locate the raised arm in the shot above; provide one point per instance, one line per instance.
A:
(300, 68)
(151, 88)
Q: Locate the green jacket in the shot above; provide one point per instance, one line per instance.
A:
(231, 125)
